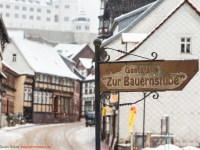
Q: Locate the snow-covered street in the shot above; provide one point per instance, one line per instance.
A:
(70, 136)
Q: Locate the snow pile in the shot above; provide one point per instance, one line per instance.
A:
(16, 127)
(172, 147)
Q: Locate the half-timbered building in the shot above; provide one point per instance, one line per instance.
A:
(8, 92)
(4, 39)
(51, 91)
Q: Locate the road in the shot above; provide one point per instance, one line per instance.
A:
(70, 136)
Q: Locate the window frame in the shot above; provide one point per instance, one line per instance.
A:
(184, 43)
(66, 19)
(31, 9)
(16, 7)
(48, 11)
(67, 6)
(16, 15)
(14, 57)
(23, 16)
(39, 10)
(7, 6)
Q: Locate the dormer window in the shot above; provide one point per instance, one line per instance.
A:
(185, 45)
(14, 57)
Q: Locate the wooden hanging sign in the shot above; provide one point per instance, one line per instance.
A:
(140, 76)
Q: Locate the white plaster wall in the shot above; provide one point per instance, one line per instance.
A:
(181, 106)
(20, 65)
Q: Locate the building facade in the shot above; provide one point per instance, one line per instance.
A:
(4, 40)
(39, 14)
(164, 21)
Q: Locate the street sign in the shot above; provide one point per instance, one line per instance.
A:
(140, 76)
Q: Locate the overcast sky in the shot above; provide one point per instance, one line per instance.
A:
(92, 9)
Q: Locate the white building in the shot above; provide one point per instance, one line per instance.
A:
(88, 95)
(171, 27)
(53, 15)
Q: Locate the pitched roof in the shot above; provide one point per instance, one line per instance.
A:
(43, 59)
(90, 77)
(86, 62)
(69, 50)
(134, 22)
(11, 68)
(160, 24)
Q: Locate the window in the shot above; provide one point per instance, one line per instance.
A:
(79, 27)
(14, 57)
(7, 15)
(57, 80)
(43, 97)
(27, 94)
(38, 18)
(53, 80)
(66, 19)
(67, 6)
(56, 6)
(65, 105)
(86, 27)
(48, 11)
(185, 45)
(38, 10)
(56, 18)
(90, 91)
(68, 81)
(24, 8)
(45, 78)
(16, 16)
(24, 16)
(1, 5)
(17, 7)
(64, 81)
(7, 6)
(48, 19)
(47, 98)
(39, 97)
(41, 77)
(31, 9)
(31, 17)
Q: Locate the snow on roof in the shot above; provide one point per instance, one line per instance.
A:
(129, 14)
(133, 37)
(11, 68)
(43, 59)
(90, 77)
(133, 23)
(69, 50)
(16, 33)
(86, 62)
